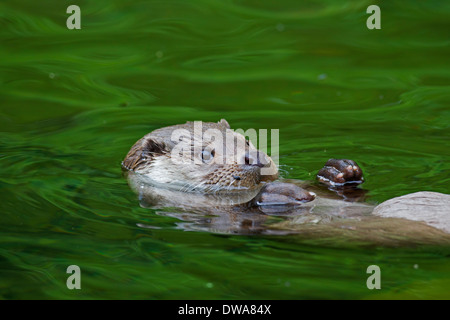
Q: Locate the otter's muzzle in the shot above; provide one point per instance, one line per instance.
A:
(256, 158)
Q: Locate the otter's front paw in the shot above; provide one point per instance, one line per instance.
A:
(337, 172)
(281, 193)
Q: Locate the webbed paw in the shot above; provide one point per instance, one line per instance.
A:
(338, 172)
(281, 193)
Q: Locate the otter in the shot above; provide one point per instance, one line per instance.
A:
(221, 167)
(219, 178)
(209, 164)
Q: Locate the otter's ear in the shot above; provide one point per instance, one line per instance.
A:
(153, 146)
(224, 123)
(142, 152)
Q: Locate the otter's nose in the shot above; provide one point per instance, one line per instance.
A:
(255, 158)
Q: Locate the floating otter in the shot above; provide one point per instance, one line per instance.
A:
(195, 168)
(216, 166)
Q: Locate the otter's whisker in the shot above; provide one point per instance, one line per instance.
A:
(229, 186)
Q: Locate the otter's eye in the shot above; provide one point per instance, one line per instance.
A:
(207, 155)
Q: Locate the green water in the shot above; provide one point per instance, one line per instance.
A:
(72, 102)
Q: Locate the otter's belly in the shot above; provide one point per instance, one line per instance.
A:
(321, 219)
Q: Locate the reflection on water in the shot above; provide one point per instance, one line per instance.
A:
(240, 213)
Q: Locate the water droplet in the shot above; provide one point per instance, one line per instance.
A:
(51, 75)
(159, 54)
(209, 285)
(322, 76)
(280, 27)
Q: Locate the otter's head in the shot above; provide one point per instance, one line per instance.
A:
(200, 156)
